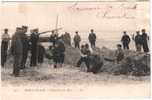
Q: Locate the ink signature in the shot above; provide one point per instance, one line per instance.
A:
(106, 11)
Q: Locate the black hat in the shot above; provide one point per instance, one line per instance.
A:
(6, 29)
(118, 45)
(24, 27)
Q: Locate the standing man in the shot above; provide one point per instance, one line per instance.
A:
(77, 40)
(4, 47)
(58, 53)
(138, 41)
(25, 42)
(53, 38)
(17, 51)
(67, 38)
(34, 42)
(145, 39)
(125, 40)
(92, 38)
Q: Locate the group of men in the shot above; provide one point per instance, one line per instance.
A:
(21, 44)
(141, 40)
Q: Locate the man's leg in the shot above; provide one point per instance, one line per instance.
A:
(94, 44)
(79, 62)
(75, 44)
(2, 59)
(127, 46)
(79, 45)
(87, 62)
(17, 61)
(123, 45)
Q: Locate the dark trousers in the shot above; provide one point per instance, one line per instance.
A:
(77, 45)
(4, 47)
(85, 60)
(126, 46)
(24, 58)
(93, 44)
(17, 64)
(33, 57)
(145, 47)
(138, 47)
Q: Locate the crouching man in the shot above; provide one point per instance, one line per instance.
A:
(85, 53)
(119, 53)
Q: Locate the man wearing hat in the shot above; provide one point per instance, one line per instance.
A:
(125, 40)
(145, 40)
(77, 40)
(92, 38)
(17, 51)
(4, 47)
(25, 42)
(34, 43)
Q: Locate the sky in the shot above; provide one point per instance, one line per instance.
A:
(103, 17)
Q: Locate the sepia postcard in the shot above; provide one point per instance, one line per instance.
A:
(75, 49)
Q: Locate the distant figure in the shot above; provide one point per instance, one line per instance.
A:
(138, 41)
(53, 38)
(17, 51)
(85, 53)
(34, 42)
(77, 40)
(41, 53)
(25, 42)
(119, 53)
(125, 40)
(67, 38)
(92, 38)
(4, 47)
(145, 39)
(58, 54)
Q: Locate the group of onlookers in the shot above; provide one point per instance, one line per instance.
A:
(141, 40)
(21, 45)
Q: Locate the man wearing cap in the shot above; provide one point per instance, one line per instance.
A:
(125, 40)
(77, 40)
(25, 42)
(92, 38)
(53, 38)
(145, 39)
(17, 51)
(4, 47)
(34, 43)
(138, 41)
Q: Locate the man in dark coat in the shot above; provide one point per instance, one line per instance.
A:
(4, 47)
(53, 38)
(41, 53)
(25, 42)
(17, 51)
(92, 38)
(138, 41)
(58, 53)
(125, 40)
(67, 38)
(77, 40)
(34, 42)
(145, 39)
